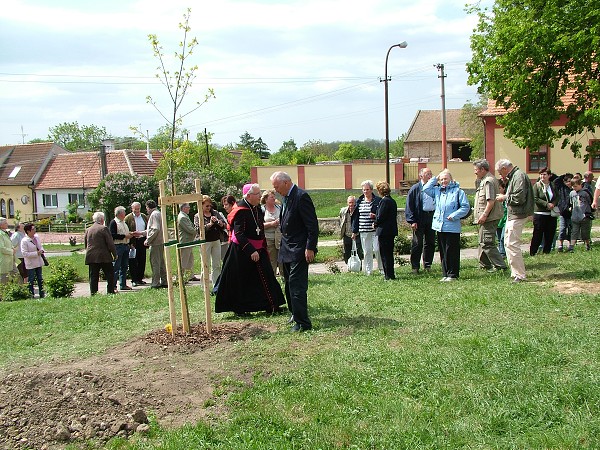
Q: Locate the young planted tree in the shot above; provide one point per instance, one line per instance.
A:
(529, 56)
(179, 81)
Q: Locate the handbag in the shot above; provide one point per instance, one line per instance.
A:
(354, 262)
(555, 212)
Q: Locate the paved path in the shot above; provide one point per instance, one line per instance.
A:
(83, 289)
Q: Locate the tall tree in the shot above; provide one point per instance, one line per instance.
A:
(527, 55)
(72, 136)
(179, 80)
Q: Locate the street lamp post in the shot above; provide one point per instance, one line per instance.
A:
(387, 126)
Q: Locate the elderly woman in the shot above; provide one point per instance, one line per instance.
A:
(228, 202)
(247, 283)
(451, 205)
(7, 262)
(386, 228)
(363, 225)
(32, 251)
(272, 212)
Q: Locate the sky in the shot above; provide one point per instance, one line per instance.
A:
(305, 70)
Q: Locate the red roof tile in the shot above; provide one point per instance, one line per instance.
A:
(72, 170)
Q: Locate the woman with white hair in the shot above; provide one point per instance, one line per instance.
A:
(451, 205)
(363, 225)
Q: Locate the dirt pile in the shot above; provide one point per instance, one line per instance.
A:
(112, 394)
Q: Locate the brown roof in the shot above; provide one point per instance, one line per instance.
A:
(32, 158)
(74, 170)
(427, 127)
(494, 110)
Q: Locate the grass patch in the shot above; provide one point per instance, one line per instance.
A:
(482, 363)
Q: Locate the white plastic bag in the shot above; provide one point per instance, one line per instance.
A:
(354, 261)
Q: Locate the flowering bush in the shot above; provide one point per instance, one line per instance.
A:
(122, 189)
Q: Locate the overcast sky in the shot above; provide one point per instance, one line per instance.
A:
(302, 70)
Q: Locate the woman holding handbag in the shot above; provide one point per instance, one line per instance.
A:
(272, 212)
(33, 255)
(544, 222)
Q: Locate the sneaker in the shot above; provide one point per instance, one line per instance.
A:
(444, 279)
(517, 280)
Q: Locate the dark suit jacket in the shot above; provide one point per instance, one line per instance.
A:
(299, 226)
(99, 245)
(386, 220)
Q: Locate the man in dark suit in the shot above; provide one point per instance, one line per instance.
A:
(100, 254)
(300, 233)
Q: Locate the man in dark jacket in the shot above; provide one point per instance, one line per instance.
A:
(100, 254)
(419, 214)
(299, 237)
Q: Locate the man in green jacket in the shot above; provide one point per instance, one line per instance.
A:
(519, 203)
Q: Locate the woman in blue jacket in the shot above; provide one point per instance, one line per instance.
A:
(451, 205)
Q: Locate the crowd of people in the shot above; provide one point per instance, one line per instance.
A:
(261, 238)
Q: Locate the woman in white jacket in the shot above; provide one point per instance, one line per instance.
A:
(32, 251)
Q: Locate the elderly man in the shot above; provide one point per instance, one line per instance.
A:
(100, 252)
(121, 235)
(346, 229)
(419, 215)
(156, 242)
(487, 214)
(300, 234)
(519, 204)
(137, 221)
(186, 233)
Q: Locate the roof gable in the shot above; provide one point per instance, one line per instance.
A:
(427, 127)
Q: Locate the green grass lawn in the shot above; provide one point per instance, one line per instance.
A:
(481, 363)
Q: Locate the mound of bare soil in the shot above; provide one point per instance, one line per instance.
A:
(170, 378)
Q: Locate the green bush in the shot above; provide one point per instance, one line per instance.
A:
(14, 290)
(402, 244)
(61, 282)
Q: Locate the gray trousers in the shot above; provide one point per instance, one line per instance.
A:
(158, 266)
(489, 256)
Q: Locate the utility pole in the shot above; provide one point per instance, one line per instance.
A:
(440, 67)
(207, 153)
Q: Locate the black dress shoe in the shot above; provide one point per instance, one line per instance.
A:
(299, 328)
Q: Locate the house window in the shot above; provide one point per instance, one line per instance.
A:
(537, 160)
(50, 200)
(595, 161)
(15, 172)
(11, 208)
(77, 198)
(3, 208)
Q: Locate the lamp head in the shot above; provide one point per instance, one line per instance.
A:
(402, 44)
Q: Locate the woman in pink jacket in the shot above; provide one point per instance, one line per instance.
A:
(32, 251)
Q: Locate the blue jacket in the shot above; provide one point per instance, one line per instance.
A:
(451, 204)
